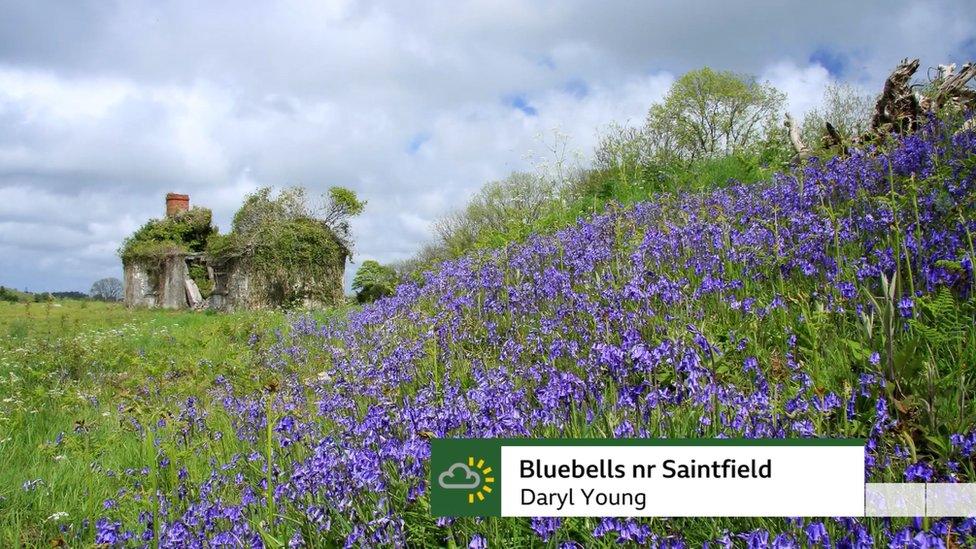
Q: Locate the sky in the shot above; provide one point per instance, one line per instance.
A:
(107, 106)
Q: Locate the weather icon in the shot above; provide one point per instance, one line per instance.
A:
(468, 476)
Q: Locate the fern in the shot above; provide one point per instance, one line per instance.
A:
(939, 320)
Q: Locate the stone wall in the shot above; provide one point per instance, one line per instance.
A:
(167, 284)
(233, 288)
(157, 283)
(139, 288)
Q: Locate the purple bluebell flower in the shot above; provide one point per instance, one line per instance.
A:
(906, 307)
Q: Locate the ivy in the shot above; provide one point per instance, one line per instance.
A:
(185, 232)
(293, 251)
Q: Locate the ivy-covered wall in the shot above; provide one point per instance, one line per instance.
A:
(278, 262)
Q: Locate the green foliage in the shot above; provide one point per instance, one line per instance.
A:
(261, 208)
(507, 207)
(296, 258)
(223, 247)
(8, 295)
(373, 281)
(708, 113)
(296, 254)
(184, 232)
(845, 107)
(70, 295)
(198, 273)
(342, 205)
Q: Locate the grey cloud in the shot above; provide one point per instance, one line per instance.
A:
(104, 107)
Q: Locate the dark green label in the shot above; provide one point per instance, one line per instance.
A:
(465, 477)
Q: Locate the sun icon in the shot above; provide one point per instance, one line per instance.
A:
(486, 480)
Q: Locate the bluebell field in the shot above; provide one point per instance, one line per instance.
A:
(832, 301)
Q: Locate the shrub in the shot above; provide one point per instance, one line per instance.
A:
(198, 273)
(373, 281)
(289, 244)
(507, 209)
(8, 295)
(186, 231)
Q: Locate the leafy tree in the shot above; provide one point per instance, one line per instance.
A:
(500, 208)
(341, 205)
(8, 295)
(261, 209)
(845, 107)
(709, 113)
(373, 281)
(107, 289)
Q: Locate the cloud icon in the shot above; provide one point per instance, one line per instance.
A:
(459, 477)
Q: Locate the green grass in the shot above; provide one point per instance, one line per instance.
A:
(97, 372)
(622, 185)
(72, 367)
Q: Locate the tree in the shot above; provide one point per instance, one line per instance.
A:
(710, 113)
(8, 295)
(342, 204)
(261, 210)
(373, 281)
(499, 208)
(845, 107)
(107, 289)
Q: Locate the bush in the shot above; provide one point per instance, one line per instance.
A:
(373, 281)
(290, 248)
(502, 211)
(184, 232)
(198, 273)
(8, 295)
(288, 254)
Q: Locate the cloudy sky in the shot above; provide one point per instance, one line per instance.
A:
(105, 106)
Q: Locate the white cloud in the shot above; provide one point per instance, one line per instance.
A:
(103, 109)
(804, 86)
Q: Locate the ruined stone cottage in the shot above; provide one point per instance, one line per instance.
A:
(182, 262)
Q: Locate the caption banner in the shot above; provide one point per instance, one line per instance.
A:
(647, 477)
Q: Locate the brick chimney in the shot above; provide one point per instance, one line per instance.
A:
(176, 203)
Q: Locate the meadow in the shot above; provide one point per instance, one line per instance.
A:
(832, 300)
(68, 370)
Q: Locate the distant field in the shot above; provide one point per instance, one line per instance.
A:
(22, 321)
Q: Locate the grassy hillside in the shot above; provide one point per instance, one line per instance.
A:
(833, 301)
